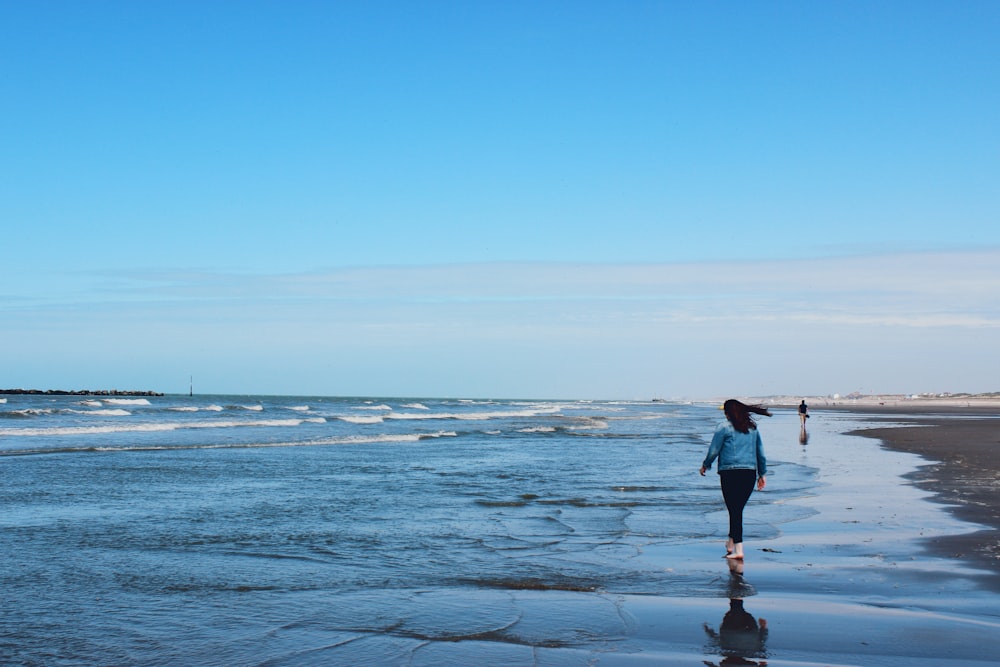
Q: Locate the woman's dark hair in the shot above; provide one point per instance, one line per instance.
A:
(738, 414)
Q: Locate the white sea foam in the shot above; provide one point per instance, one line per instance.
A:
(537, 429)
(336, 440)
(415, 406)
(32, 412)
(111, 412)
(86, 430)
(473, 416)
(299, 408)
(589, 425)
(416, 416)
(340, 440)
(91, 404)
(152, 427)
(184, 408)
(361, 420)
(374, 407)
(127, 401)
(382, 437)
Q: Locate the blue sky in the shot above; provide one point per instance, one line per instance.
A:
(506, 199)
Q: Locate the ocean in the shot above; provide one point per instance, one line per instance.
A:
(269, 530)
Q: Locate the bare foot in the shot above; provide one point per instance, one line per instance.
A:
(737, 553)
(729, 546)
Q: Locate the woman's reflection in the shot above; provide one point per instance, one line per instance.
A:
(740, 636)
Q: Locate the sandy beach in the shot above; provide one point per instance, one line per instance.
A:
(962, 446)
(959, 436)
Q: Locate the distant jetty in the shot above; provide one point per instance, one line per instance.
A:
(79, 392)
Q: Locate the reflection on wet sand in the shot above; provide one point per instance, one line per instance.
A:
(740, 636)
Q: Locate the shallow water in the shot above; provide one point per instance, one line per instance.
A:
(290, 530)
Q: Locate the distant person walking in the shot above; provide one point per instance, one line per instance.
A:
(742, 464)
(803, 412)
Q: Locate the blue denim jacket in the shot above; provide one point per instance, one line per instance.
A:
(736, 451)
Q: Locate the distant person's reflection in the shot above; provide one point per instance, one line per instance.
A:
(740, 637)
(803, 416)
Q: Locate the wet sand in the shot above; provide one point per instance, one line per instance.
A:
(962, 446)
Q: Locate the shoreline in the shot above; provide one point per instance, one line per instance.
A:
(887, 403)
(77, 392)
(961, 446)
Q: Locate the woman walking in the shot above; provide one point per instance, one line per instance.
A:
(738, 447)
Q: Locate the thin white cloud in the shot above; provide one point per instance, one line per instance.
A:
(953, 289)
(911, 322)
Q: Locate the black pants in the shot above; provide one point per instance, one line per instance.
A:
(737, 485)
